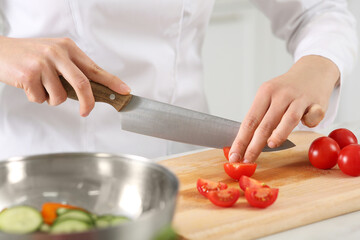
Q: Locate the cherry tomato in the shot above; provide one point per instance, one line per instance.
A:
(343, 137)
(349, 160)
(324, 152)
(205, 186)
(224, 198)
(261, 197)
(247, 182)
(236, 170)
(226, 152)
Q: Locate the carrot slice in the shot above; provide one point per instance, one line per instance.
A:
(49, 211)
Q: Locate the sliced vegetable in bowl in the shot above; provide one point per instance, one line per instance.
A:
(20, 220)
(68, 219)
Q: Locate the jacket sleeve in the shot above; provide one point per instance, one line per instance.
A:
(316, 27)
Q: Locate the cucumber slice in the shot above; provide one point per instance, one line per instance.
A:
(94, 216)
(61, 211)
(110, 220)
(69, 226)
(44, 228)
(102, 223)
(118, 220)
(20, 220)
(76, 215)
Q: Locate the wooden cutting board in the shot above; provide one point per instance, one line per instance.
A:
(306, 194)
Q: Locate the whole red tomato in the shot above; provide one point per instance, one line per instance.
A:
(343, 137)
(349, 160)
(324, 152)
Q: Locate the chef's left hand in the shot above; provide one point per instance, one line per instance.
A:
(280, 104)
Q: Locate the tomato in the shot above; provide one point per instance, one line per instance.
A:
(324, 152)
(343, 137)
(236, 170)
(247, 182)
(349, 160)
(261, 197)
(224, 198)
(226, 151)
(205, 186)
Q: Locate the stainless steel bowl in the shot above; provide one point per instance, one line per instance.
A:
(102, 183)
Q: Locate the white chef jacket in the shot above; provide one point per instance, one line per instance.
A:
(155, 47)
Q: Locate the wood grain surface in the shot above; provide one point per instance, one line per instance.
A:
(306, 194)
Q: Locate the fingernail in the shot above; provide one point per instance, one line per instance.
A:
(125, 88)
(271, 144)
(246, 161)
(234, 157)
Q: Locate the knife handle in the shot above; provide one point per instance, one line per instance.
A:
(101, 94)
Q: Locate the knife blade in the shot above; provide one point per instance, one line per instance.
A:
(166, 121)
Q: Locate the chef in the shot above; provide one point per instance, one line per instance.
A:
(154, 48)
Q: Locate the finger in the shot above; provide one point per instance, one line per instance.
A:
(35, 92)
(97, 74)
(80, 83)
(288, 122)
(248, 127)
(313, 116)
(270, 121)
(53, 86)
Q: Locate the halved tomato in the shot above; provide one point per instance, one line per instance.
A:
(261, 197)
(224, 198)
(226, 152)
(205, 186)
(236, 170)
(248, 182)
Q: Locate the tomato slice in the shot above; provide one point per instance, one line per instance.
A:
(224, 198)
(226, 152)
(248, 182)
(236, 170)
(261, 197)
(205, 186)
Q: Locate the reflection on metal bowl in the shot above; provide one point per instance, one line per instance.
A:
(102, 183)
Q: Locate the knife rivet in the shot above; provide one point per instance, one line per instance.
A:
(112, 96)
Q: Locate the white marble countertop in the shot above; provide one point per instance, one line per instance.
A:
(344, 227)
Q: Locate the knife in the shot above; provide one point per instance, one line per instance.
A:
(161, 120)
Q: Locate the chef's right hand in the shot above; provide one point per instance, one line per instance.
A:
(35, 65)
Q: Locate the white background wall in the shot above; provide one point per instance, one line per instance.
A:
(240, 53)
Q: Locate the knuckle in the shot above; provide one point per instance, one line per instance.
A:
(294, 117)
(267, 87)
(55, 101)
(265, 128)
(95, 69)
(82, 83)
(251, 154)
(66, 42)
(278, 138)
(35, 98)
(25, 77)
(251, 123)
(51, 51)
(35, 67)
(240, 145)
